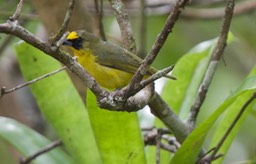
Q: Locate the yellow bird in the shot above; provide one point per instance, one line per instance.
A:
(112, 66)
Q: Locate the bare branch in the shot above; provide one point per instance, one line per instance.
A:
(217, 53)
(169, 24)
(16, 14)
(158, 147)
(65, 23)
(40, 152)
(156, 76)
(161, 110)
(152, 135)
(6, 91)
(124, 24)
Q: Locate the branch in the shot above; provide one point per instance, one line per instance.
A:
(6, 91)
(16, 14)
(161, 110)
(65, 23)
(46, 149)
(169, 24)
(217, 53)
(152, 135)
(124, 24)
(156, 76)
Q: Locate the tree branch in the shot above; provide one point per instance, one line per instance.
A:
(124, 24)
(6, 91)
(46, 149)
(16, 14)
(161, 110)
(217, 53)
(169, 24)
(65, 23)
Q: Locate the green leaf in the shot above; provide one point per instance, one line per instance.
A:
(246, 90)
(28, 142)
(189, 72)
(191, 147)
(60, 103)
(118, 134)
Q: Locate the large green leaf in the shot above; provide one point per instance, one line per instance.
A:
(231, 113)
(60, 103)
(28, 142)
(180, 93)
(191, 147)
(189, 71)
(118, 134)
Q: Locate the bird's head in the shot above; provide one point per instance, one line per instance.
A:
(74, 40)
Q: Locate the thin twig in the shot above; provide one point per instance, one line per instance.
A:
(203, 156)
(239, 115)
(16, 14)
(124, 24)
(44, 150)
(149, 80)
(158, 147)
(65, 23)
(6, 91)
(217, 53)
(151, 137)
(156, 76)
(169, 24)
(172, 141)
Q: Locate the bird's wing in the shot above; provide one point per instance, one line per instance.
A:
(111, 55)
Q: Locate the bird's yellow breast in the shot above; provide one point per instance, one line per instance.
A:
(107, 77)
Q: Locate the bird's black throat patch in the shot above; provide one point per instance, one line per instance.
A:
(75, 43)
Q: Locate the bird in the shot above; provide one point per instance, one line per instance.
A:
(111, 65)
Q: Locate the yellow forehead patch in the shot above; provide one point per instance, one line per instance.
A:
(72, 35)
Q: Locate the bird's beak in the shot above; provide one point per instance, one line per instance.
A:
(67, 43)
